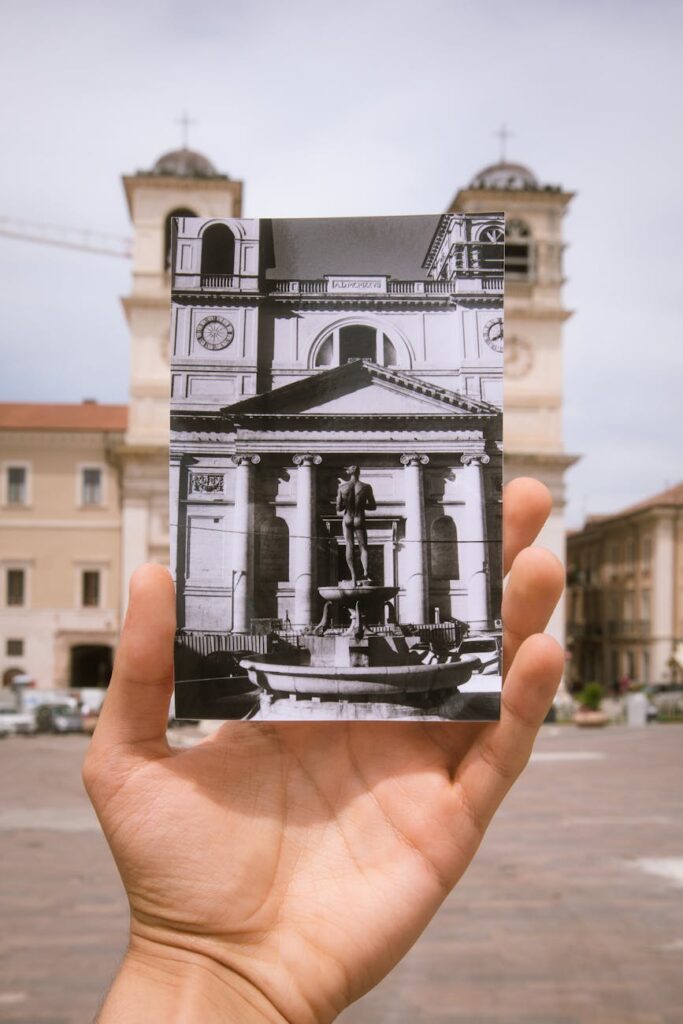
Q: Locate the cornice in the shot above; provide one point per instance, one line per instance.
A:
(168, 183)
(40, 439)
(502, 198)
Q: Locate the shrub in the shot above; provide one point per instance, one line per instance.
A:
(591, 696)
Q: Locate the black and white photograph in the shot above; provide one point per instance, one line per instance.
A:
(336, 467)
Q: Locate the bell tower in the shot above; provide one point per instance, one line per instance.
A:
(534, 318)
(182, 183)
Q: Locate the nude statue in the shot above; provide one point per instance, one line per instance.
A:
(354, 499)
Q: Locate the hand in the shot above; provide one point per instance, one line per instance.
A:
(278, 872)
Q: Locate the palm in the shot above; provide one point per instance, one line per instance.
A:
(332, 843)
(308, 857)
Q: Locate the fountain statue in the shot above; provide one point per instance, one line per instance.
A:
(353, 499)
(370, 659)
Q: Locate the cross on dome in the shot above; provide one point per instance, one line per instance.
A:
(185, 121)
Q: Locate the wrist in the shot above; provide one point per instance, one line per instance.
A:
(158, 982)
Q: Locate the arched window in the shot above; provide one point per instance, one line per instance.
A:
(181, 211)
(389, 352)
(273, 551)
(357, 341)
(325, 355)
(444, 549)
(518, 249)
(492, 241)
(218, 251)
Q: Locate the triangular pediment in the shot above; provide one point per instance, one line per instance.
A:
(362, 388)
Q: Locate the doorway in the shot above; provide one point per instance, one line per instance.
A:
(91, 665)
(375, 563)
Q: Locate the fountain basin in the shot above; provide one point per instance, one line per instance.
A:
(350, 595)
(368, 680)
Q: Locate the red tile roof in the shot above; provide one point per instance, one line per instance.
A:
(61, 416)
(671, 496)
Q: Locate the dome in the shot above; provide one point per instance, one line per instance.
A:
(505, 176)
(185, 163)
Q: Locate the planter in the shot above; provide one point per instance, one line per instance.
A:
(587, 719)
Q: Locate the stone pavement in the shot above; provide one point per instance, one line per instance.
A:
(571, 914)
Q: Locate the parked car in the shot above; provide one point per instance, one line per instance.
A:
(666, 699)
(487, 648)
(59, 718)
(17, 722)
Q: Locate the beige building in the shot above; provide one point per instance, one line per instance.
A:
(625, 594)
(534, 319)
(181, 184)
(60, 542)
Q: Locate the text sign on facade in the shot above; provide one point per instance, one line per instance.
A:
(344, 284)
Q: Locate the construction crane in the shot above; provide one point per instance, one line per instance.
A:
(99, 242)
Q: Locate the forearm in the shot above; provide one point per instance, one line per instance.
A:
(177, 987)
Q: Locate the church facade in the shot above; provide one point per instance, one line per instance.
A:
(302, 348)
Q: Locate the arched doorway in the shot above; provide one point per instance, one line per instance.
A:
(10, 675)
(91, 665)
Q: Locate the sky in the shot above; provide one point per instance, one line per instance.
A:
(361, 108)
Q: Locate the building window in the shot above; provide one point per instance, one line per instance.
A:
(14, 648)
(518, 249)
(91, 486)
(325, 355)
(168, 228)
(357, 341)
(273, 551)
(645, 605)
(444, 549)
(631, 554)
(647, 550)
(90, 588)
(16, 587)
(646, 667)
(630, 665)
(492, 249)
(17, 485)
(218, 251)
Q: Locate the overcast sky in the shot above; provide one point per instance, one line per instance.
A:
(362, 108)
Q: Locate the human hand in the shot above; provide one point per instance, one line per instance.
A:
(278, 872)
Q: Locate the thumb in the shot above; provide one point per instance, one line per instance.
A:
(135, 709)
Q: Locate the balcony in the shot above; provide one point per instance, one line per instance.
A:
(220, 283)
(628, 628)
(465, 283)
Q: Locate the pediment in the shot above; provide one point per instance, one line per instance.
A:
(362, 388)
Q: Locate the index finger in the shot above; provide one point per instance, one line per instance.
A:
(526, 506)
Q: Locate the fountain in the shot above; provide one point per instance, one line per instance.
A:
(368, 667)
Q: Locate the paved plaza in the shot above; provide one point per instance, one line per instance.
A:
(571, 914)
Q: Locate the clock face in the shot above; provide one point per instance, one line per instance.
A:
(518, 358)
(213, 332)
(493, 334)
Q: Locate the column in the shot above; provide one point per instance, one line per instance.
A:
(663, 595)
(241, 541)
(135, 529)
(174, 465)
(305, 546)
(415, 605)
(473, 543)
